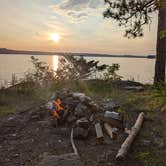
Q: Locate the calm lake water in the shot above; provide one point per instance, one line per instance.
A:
(139, 69)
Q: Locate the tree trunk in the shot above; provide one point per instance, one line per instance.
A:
(161, 45)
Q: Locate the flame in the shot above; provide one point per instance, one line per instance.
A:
(55, 114)
(59, 108)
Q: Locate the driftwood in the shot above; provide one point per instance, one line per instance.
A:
(109, 130)
(129, 140)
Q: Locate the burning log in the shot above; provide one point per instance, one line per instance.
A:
(129, 140)
(58, 111)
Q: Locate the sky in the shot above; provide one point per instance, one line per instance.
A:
(28, 25)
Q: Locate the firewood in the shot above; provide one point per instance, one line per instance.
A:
(99, 132)
(110, 131)
(129, 140)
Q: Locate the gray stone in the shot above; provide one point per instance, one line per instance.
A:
(111, 105)
(136, 88)
(81, 110)
(71, 119)
(83, 122)
(113, 115)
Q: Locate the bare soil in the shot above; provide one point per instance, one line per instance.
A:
(26, 137)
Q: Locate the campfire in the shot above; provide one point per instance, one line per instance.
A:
(78, 110)
(81, 114)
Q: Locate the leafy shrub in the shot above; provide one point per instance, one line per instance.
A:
(111, 74)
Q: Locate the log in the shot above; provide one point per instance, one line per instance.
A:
(129, 140)
(110, 131)
(99, 132)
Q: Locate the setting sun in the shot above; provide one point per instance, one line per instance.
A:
(55, 37)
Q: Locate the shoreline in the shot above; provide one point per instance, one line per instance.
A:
(5, 51)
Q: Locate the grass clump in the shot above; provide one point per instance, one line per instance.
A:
(6, 110)
(152, 158)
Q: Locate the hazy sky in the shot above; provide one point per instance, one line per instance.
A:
(27, 25)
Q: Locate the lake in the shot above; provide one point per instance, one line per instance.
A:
(139, 69)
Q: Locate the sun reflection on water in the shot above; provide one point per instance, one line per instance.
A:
(55, 62)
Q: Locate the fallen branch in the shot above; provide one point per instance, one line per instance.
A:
(72, 143)
(129, 140)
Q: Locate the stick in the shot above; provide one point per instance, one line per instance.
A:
(72, 143)
(108, 128)
(129, 140)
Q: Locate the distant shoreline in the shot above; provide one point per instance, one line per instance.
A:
(18, 52)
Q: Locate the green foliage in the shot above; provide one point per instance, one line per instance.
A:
(156, 158)
(131, 14)
(143, 155)
(42, 71)
(111, 74)
(70, 68)
(14, 80)
(5, 110)
(80, 68)
(162, 34)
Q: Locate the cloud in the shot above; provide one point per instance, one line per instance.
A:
(77, 10)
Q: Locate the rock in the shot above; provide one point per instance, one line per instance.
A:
(11, 118)
(16, 155)
(91, 119)
(43, 123)
(82, 97)
(114, 119)
(83, 122)
(113, 122)
(80, 133)
(146, 142)
(93, 106)
(14, 135)
(70, 159)
(111, 105)
(55, 95)
(137, 88)
(35, 117)
(81, 110)
(113, 115)
(71, 119)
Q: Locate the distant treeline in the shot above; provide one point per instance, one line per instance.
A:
(9, 51)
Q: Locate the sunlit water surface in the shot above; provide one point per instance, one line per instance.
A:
(139, 69)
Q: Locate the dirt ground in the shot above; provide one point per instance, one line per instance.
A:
(26, 137)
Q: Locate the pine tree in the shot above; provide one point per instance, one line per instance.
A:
(134, 14)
